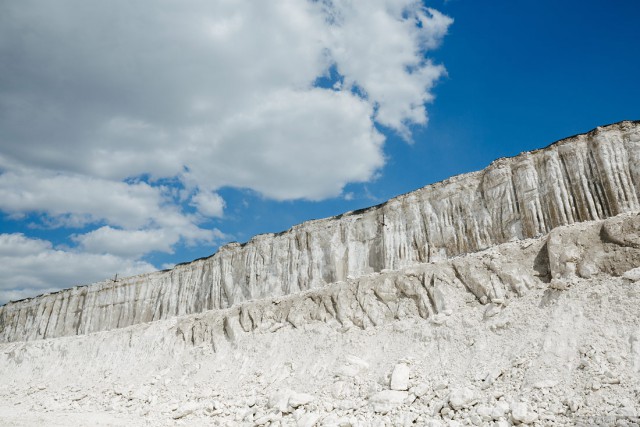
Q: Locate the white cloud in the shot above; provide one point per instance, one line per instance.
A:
(208, 204)
(136, 243)
(127, 242)
(379, 49)
(117, 89)
(31, 266)
(202, 93)
(146, 217)
(85, 198)
(288, 144)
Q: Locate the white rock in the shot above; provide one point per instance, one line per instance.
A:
(521, 413)
(300, 399)
(349, 371)
(500, 409)
(421, 389)
(400, 377)
(363, 365)
(308, 420)
(484, 412)
(475, 419)
(267, 418)
(384, 401)
(574, 403)
(633, 274)
(545, 384)
(492, 310)
(186, 409)
(405, 418)
(250, 400)
(280, 400)
(587, 269)
(627, 412)
(462, 398)
(441, 384)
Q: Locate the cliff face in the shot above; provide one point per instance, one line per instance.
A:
(586, 177)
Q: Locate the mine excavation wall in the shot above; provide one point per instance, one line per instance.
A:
(585, 177)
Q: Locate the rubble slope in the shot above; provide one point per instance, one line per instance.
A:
(539, 332)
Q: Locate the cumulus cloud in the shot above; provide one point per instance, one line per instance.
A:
(103, 103)
(288, 145)
(379, 49)
(85, 198)
(31, 266)
(117, 89)
(208, 204)
(146, 216)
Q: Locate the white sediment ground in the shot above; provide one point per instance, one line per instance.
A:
(554, 341)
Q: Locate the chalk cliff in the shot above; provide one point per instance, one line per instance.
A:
(586, 177)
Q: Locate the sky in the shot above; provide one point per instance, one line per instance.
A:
(135, 135)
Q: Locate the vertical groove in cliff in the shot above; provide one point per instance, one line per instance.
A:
(586, 177)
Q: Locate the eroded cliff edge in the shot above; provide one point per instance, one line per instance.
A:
(585, 177)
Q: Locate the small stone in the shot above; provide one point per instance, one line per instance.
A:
(462, 398)
(267, 418)
(280, 400)
(300, 399)
(492, 310)
(356, 361)
(521, 413)
(545, 384)
(573, 403)
(384, 401)
(500, 410)
(475, 419)
(186, 409)
(441, 385)
(614, 359)
(421, 389)
(400, 377)
(633, 274)
(626, 412)
(438, 319)
(587, 269)
(404, 418)
(308, 420)
(251, 400)
(484, 412)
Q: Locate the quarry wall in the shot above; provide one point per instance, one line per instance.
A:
(586, 177)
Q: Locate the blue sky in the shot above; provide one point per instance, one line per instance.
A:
(137, 136)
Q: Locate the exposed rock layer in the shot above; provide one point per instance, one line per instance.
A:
(407, 347)
(586, 177)
(495, 277)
